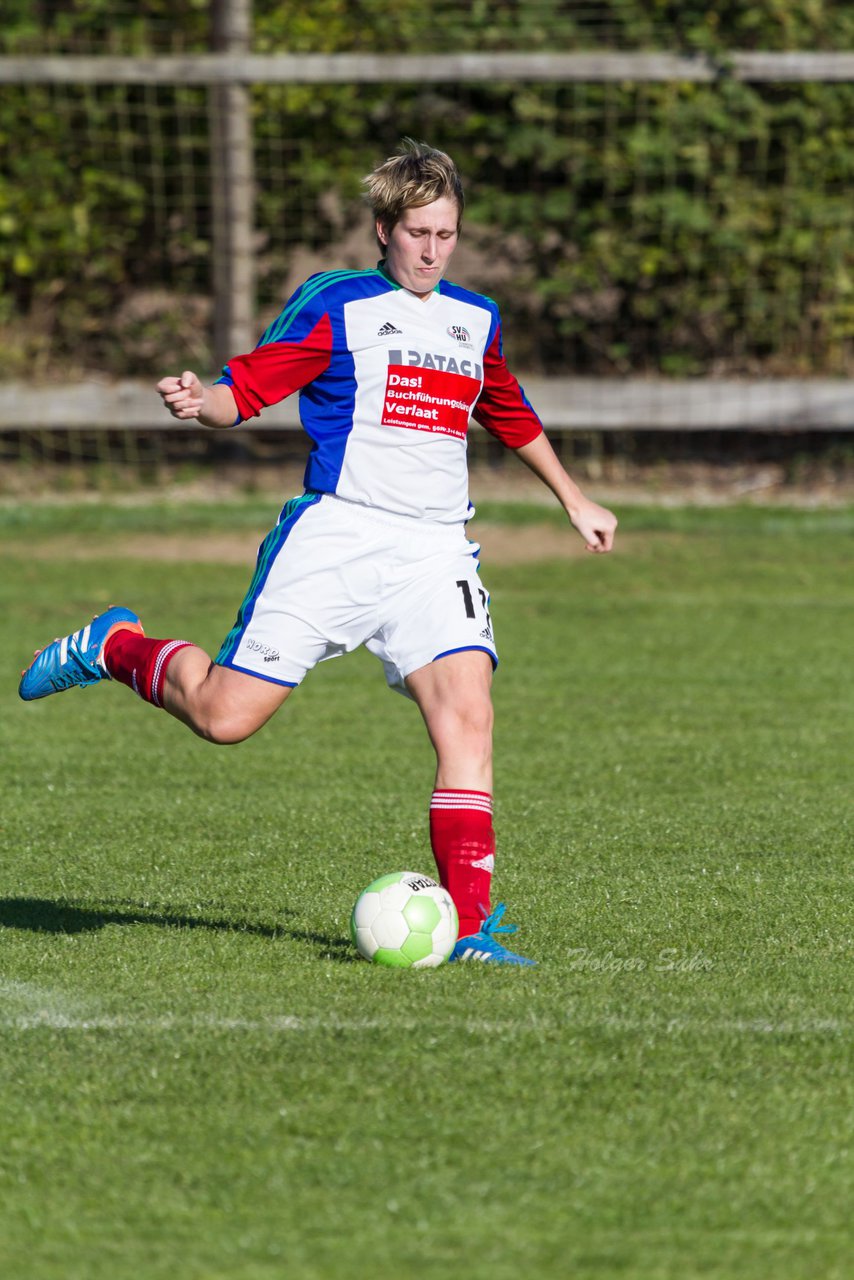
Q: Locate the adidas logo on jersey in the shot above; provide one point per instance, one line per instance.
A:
(387, 331)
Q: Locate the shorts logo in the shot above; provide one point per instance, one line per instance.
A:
(459, 333)
(486, 633)
(388, 330)
(270, 654)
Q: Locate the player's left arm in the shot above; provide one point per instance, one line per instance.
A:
(505, 411)
(597, 525)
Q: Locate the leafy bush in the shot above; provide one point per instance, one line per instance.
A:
(679, 228)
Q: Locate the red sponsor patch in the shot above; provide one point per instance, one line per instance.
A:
(429, 400)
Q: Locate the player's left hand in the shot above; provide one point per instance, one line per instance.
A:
(597, 525)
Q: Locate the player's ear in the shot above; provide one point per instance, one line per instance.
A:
(382, 233)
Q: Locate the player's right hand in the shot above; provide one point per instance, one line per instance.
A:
(184, 397)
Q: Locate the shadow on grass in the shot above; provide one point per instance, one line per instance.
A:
(42, 915)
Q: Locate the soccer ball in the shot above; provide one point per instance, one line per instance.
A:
(405, 920)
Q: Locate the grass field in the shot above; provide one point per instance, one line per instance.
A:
(200, 1079)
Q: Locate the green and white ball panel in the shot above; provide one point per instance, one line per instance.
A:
(404, 920)
(390, 929)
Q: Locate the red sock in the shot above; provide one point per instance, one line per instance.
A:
(140, 662)
(464, 848)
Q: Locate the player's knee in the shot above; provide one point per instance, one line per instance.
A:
(223, 729)
(467, 723)
(479, 722)
(230, 707)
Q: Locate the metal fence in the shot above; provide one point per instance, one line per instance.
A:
(220, 196)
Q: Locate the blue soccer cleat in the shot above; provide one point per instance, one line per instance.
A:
(483, 945)
(76, 659)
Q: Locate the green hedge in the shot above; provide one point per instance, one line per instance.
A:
(676, 228)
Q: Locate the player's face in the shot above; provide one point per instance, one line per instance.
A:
(420, 244)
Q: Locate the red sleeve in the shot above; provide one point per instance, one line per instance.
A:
(278, 369)
(503, 407)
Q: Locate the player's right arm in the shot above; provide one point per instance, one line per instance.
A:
(295, 349)
(186, 398)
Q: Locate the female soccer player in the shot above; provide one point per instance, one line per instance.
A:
(390, 364)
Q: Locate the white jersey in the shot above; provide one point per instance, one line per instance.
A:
(388, 384)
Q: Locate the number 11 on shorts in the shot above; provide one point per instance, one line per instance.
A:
(469, 602)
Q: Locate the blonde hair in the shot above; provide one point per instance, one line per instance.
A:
(415, 176)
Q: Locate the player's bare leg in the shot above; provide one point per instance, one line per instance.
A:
(217, 703)
(454, 697)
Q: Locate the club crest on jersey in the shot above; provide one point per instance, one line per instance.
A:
(460, 334)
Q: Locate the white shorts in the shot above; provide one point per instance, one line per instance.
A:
(333, 575)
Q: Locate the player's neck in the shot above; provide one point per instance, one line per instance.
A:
(383, 266)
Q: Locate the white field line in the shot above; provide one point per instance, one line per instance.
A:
(27, 997)
(27, 1007)
(286, 1024)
